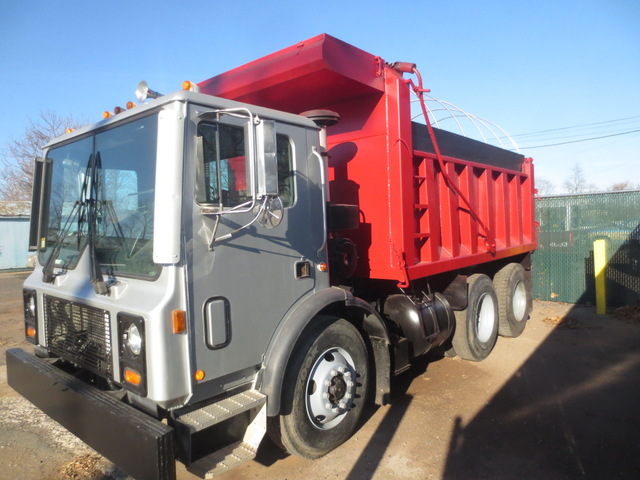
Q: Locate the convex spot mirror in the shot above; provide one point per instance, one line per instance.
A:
(271, 212)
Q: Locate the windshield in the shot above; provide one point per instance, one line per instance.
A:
(122, 197)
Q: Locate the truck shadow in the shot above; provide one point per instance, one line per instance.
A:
(571, 411)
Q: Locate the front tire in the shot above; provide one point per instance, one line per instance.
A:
(325, 389)
(477, 325)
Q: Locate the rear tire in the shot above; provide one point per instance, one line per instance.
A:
(477, 325)
(325, 389)
(514, 299)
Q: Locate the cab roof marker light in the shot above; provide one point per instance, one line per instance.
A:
(130, 105)
(68, 130)
(190, 86)
(106, 114)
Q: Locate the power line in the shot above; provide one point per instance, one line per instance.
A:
(585, 139)
(575, 126)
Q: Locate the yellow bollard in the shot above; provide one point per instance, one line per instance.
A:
(600, 264)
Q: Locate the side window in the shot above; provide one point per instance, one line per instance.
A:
(222, 171)
(222, 178)
(285, 170)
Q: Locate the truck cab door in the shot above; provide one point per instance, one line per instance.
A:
(244, 273)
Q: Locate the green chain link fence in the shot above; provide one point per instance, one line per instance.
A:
(563, 263)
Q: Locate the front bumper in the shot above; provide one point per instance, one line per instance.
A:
(140, 445)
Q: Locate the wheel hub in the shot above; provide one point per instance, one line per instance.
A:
(331, 388)
(337, 389)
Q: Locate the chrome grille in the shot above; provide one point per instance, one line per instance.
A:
(79, 333)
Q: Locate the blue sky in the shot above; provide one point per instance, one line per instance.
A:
(526, 66)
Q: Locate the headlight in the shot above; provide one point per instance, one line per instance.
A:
(31, 306)
(134, 339)
(133, 363)
(30, 315)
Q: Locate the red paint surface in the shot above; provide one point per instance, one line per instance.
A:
(412, 223)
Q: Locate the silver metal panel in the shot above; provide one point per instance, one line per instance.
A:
(168, 189)
(167, 353)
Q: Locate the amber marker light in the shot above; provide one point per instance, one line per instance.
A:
(322, 267)
(31, 332)
(68, 130)
(132, 376)
(188, 86)
(179, 318)
(199, 375)
(130, 105)
(106, 114)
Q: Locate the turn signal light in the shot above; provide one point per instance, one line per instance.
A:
(179, 318)
(132, 376)
(199, 375)
(31, 332)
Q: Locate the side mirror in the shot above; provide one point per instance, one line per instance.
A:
(267, 159)
(41, 179)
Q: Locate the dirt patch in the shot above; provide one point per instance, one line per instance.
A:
(629, 314)
(564, 322)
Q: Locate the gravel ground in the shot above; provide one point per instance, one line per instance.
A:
(559, 402)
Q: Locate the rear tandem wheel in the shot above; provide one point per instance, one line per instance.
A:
(477, 325)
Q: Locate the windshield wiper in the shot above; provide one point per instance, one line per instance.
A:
(99, 285)
(78, 211)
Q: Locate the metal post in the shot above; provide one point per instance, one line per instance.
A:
(600, 264)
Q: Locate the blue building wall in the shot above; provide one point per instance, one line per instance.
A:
(14, 242)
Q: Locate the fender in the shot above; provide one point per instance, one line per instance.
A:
(290, 329)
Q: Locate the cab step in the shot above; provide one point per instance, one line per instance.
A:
(218, 412)
(211, 416)
(223, 460)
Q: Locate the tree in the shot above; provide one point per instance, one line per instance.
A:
(16, 166)
(576, 182)
(625, 185)
(545, 187)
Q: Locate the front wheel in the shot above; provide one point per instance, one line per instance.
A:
(325, 389)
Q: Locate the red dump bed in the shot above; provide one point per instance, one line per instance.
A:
(413, 222)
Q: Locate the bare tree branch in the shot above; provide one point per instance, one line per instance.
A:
(16, 164)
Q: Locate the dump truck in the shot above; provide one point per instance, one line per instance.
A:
(261, 252)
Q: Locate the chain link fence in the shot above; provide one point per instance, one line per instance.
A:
(569, 225)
